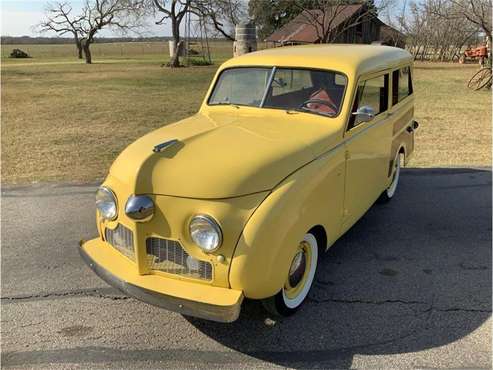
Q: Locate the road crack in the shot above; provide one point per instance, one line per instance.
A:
(105, 293)
(430, 307)
(361, 301)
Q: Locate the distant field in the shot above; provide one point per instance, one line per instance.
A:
(63, 120)
(117, 50)
(130, 49)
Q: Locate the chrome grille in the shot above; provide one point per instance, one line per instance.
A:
(122, 239)
(169, 256)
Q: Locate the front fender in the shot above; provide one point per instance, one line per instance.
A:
(311, 196)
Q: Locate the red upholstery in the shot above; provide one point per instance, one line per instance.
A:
(321, 94)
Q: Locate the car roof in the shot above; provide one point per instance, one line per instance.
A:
(350, 59)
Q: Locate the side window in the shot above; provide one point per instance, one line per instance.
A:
(372, 93)
(402, 84)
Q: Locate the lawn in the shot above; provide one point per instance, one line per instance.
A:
(66, 121)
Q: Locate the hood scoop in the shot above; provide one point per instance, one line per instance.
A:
(160, 147)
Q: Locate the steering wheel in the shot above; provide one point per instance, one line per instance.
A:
(318, 101)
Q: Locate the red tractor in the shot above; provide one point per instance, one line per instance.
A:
(478, 53)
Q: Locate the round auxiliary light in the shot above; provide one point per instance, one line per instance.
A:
(139, 207)
(206, 233)
(106, 203)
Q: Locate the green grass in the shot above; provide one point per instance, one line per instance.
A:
(63, 120)
(455, 122)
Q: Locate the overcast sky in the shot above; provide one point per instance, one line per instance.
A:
(19, 16)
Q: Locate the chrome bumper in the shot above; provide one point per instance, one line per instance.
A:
(180, 305)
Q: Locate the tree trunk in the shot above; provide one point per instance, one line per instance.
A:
(175, 57)
(87, 51)
(79, 49)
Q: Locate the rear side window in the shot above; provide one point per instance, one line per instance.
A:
(402, 84)
(372, 93)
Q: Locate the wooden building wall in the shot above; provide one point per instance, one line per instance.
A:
(367, 31)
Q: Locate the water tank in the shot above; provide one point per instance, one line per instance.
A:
(246, 38)
(181, 48)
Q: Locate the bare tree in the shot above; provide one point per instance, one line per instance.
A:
(221, 15)
(477, 12)
(175, 11)
(433, 36)
(59, 19)
(120, 15)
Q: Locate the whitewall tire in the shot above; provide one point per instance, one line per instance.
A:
(389, 193)
(299, 279)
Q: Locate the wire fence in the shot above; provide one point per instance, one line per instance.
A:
(219, 49)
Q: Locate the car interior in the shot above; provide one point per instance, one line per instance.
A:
(322, 88)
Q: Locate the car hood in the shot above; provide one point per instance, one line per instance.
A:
(221, 155)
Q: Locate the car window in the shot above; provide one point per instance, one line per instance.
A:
(402, 84)
(290, 80)
(242, 86)
(313, 91)
(372, 93)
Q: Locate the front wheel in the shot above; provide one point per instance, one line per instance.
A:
(299, 280)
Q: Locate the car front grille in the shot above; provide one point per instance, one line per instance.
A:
(122, 239)
(169, 256)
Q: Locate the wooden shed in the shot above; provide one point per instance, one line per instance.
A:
(352, 24)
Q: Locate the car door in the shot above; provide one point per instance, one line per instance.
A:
(402, 110)
(367, 148)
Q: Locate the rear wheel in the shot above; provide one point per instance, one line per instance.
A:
(299, 280)
(389, 193)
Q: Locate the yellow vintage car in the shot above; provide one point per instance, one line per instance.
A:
(290, 147)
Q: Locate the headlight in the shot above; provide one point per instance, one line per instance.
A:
(106, 203)
(206, 233)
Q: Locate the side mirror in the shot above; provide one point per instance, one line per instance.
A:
(364, 114)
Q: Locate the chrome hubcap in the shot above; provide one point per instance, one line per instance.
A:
(297, 269)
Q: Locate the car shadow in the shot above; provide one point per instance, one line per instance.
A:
(412, 274)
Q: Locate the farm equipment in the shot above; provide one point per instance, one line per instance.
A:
(18, 53)
(480, 79)
(483, 77)
(478, 53)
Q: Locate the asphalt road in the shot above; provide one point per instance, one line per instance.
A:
(408, 286)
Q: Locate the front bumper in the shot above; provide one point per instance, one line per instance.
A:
(185, 297)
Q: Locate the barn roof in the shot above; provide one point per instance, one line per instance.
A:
(302, 30)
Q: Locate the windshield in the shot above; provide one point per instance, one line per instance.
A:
(309, 90)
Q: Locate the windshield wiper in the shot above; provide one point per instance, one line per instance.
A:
(225, 103)
(306, 110)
